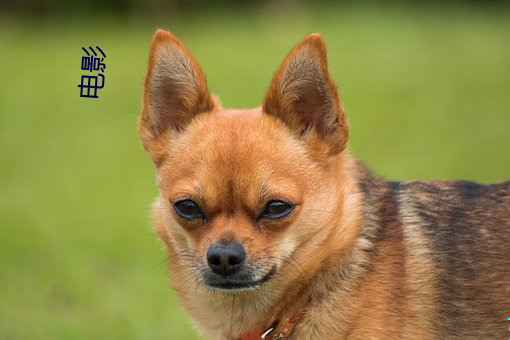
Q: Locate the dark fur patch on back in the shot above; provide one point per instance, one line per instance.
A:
(468, 226)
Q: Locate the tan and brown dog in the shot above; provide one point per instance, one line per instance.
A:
(272, 229)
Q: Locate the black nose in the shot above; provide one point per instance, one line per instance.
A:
(226, 259)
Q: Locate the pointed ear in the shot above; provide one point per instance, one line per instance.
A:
(305, 98)
(175, 88)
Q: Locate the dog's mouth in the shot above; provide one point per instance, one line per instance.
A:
(237, 284)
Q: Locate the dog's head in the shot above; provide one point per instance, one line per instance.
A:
(246, 196)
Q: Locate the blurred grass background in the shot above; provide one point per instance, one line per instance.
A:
(427, 91)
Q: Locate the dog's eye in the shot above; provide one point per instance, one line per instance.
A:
(275, 210)
(188, 210)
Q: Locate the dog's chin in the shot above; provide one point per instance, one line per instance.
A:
(243, 283)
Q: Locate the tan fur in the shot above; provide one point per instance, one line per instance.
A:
(355, 255)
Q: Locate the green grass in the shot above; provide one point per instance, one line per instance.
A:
(427, 96)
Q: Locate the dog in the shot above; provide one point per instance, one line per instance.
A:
(273, 230)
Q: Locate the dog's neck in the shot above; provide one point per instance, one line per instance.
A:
(280, 329)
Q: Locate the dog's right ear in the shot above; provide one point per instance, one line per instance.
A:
(304, 97)
(175, 89)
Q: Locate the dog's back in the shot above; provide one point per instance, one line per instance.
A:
(447, 244)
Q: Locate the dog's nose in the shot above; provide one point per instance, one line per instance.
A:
(226, 259)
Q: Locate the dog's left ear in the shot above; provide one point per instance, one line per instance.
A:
(175, 90)
(305, 98)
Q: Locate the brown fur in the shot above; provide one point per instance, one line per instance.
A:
(363, 258)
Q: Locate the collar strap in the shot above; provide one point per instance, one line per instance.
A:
(277, 331)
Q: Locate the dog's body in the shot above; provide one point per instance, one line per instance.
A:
(267, 219)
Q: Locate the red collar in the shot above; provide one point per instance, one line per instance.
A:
(278, 330)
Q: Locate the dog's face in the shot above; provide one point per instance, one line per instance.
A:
(246, 196)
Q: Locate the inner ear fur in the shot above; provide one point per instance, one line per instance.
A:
(175, 89)
(304, 97)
